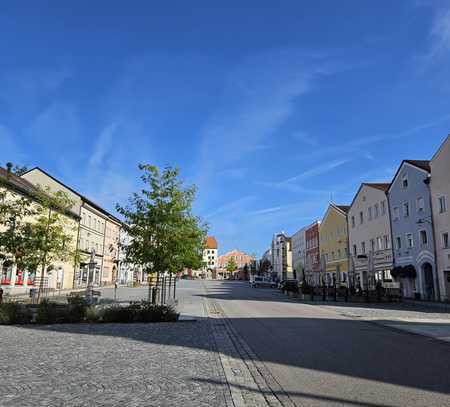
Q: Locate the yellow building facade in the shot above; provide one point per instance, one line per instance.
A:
(333, 236)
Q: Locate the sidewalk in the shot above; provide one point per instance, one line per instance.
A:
(410, 317)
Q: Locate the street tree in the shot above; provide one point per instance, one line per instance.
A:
(165, 236)
(231, 265)
(15, 211)
(50, 234)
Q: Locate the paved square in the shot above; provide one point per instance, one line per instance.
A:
(169, 364)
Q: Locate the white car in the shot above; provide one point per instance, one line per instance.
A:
(262, 282)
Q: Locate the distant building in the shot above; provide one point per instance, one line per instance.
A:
(282, 256)
(313, 265)
(210, 257)
(412, 230)
(242, 261)
(369, 228)
(333, 238)
(440, 197)
(298, 240)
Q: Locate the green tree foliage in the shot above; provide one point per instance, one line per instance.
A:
(231, 266)
(17, 169)
(49, 233)
(164, 234)
(15, 212)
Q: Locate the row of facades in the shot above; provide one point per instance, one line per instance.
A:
(395, 234)
(97, 234)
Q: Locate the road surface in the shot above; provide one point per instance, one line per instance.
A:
(322, 358)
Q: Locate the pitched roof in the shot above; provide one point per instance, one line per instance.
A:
(84, 198)
(343, 208)
(22, 185)
(381, 186)
(423, 164)
(211, 242)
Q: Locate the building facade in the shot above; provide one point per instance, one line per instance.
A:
(282, 257)
(111, 251)
(440, 197)
(91, 234)
(298, 240)
(59, 274)
(369, 230)
(241, 260)
(210, 255)
(412, 230)
(333, 237)
(313, 265)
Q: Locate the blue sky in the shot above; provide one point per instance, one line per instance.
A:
(270, 108)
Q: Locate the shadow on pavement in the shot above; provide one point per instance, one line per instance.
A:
(339, 346)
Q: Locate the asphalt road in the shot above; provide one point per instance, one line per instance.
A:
(321, 358)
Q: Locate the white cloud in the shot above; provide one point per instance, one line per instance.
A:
(292, 183)
(440, 34)
(103, 145)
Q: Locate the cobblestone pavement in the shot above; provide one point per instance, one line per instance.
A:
(111, 365)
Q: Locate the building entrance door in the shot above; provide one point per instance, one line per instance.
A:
(427, 270)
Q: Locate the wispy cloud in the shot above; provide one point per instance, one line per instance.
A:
(259, 97)
(440, 35)
(231, 208)
(305, 138)
(292, 183)
(103, 145)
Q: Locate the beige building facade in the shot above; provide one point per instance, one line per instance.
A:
(440, 198)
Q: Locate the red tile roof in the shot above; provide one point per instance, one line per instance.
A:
(423, 164)
(211, 242)
(381, 186)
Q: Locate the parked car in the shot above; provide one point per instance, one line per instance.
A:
(288, 285)
(262, 282)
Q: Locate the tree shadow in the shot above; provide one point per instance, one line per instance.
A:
(238, 290)
(345, 347)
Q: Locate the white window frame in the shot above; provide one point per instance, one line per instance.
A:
(407, 212)
(379, 243)
(398, 242)
(421, 231)
(396, 213)
(409, 242)
(442, 202)
(369, 211)
(375, 211)
(445, 246)
(383, 207)
(405, 178)
(420, 209)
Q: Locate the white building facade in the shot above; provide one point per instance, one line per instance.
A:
(371, 257)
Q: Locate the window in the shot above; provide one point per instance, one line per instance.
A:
(370, 212)
(409, 240)
(405, 181)
(383, 208)
(375, 211)
(398, 241)
(406, 209)
(372, 245)
(396, 213)
(89, 221)
(379, 243)
(363, 247)
(445, 240)
(361, 218)
(442, 204)
(353, 221)
(420, 204)
(355, 250)
(332, 255)
(339, 253)
(423, 237)
(386, 241)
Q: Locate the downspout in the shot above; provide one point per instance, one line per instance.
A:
(103, 254)
(435, 240)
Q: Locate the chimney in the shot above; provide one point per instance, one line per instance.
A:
(9, 166)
